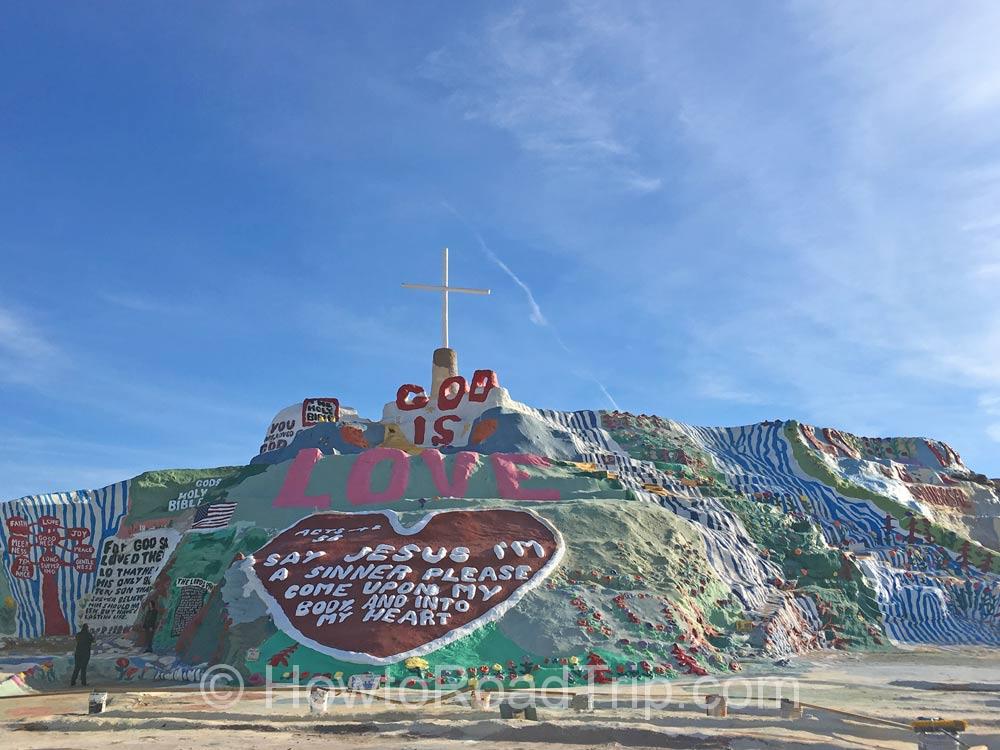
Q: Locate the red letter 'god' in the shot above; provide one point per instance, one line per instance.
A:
(419, 400)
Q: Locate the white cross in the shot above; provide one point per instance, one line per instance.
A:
(444, 289)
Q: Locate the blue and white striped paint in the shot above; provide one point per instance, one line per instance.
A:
(728, 546)
(917, 608)
(101, 511)
(583, 428)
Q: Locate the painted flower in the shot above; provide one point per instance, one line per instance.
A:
(416, 664)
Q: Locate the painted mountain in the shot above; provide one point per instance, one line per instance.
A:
(466, 534)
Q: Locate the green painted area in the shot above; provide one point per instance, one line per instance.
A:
(651, 438)
(154, 492)
(485, 647)
(830, 579)
(255, 492)
(812, 465)
(205, 556)
(212, 633)
(330, 476)
(634, 582)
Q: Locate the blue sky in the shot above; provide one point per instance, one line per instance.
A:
(720, 213)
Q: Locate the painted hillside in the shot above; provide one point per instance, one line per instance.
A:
(465, 533)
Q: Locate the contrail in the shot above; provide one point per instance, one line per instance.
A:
(586, 374)
(536, 312)
(604, 390)
(535, 315)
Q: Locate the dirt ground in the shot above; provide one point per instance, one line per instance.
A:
(897, 687)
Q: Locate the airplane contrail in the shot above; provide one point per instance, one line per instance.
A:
(536, 316)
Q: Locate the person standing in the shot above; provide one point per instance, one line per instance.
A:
(81, 656)
(149, 626)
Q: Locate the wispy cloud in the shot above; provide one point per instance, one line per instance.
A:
(988, 271)
(385, 338)
(722, 388)
(531, 75)
(872, 181)
(27, 477)
(25, 352)
(849, 179)
(120, 404)
(990, 404)
(143, 303)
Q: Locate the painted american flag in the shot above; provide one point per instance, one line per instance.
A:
(213, 516)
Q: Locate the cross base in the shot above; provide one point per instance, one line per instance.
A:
(445, 364)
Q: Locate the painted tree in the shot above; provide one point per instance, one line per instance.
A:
(62, 526)
(42, 549)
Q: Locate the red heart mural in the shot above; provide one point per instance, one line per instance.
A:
(364, 588)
